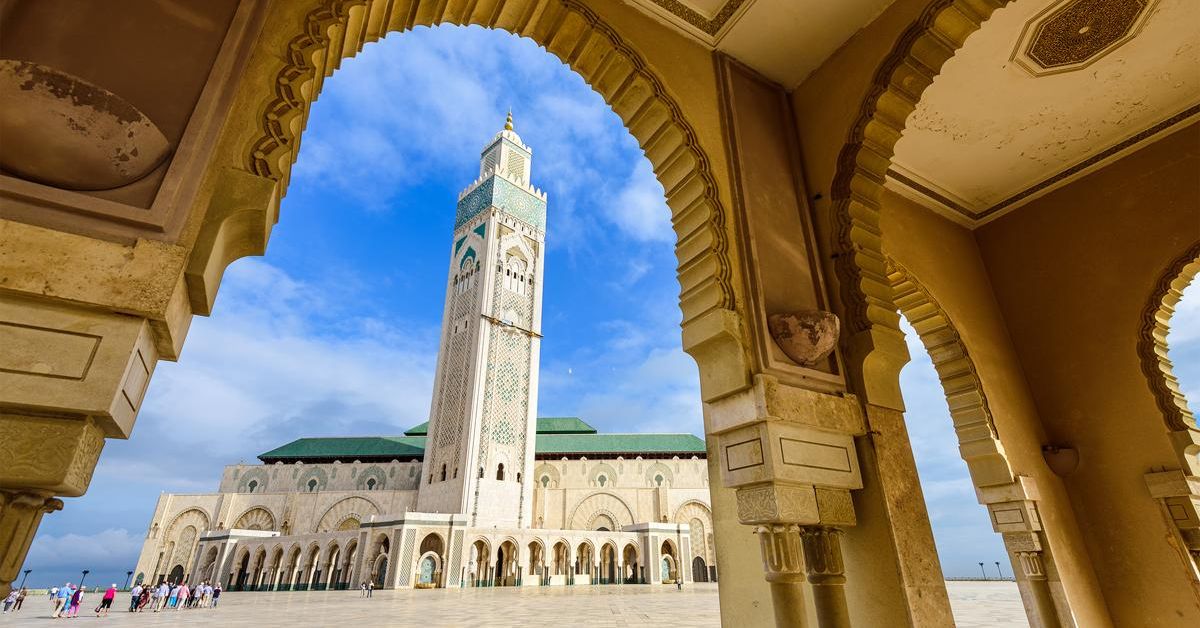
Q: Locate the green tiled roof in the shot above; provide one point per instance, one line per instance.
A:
(563, 425)
(560, 442)
(545, 425)
(631, 444)
(349, 448)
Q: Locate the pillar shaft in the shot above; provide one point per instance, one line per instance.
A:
(826, 574)
(1043, 602)
(783, 567)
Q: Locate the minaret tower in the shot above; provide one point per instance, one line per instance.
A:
(482, 423)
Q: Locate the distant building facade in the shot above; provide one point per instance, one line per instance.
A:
(485, 493)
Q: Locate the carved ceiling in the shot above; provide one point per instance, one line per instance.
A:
(784, 40)
(1046, 92)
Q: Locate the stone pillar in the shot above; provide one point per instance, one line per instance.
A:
(1043, 603)
(1179, 496)
(826, 574)
(69, 378)
(783, 567)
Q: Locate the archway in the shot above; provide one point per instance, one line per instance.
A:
(562, 570)
(479, 569)
(506, 570)
(276, 573)
(431, 545)
(699, 570)
(631, 573)
(176, 575)
(243, 572)
(537, 562)
(608, 564)
(585, 558)
(669, 571)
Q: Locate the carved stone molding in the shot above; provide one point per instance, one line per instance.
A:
(1152, 343)
(781, 552)
(20, 514)
(896, 87)
(53, 455)
(823, 554)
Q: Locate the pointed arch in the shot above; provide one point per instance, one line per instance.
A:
(597, 505)
(356, 508)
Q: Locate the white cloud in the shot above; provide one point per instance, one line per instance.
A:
(640, 210)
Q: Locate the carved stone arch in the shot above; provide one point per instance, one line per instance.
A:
(657, 469)
(978, 439)
(351, 507)
(605, 504)
(546, 470)
(602, 468)
(314, 473)
(195, 517)
(1152, 342)
(256, 518)
(862, 166)
(290, 77)
(692, 508)
(373, 472)
(259, 476)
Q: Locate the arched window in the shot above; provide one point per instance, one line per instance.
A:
(480, 472)
(602, 479)
(658, 479)
(312, 485)
(371, 484)
(545, 481)
(518, 478)
(443, 473)
(500, 471)
(456, 473)
(252, 485)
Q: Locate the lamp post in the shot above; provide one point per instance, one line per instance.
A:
(84, 577)
(128, 577)
(23, 578)
(982, 571)
(999, 571)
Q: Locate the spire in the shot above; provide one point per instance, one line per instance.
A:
(508, 125)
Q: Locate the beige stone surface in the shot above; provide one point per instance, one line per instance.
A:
(976, 604)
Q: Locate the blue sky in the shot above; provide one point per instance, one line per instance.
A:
(335, 330)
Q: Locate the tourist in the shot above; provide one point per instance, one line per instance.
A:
(216, 594)
(172, 595)
(135, 595)
(370, 588)
(181, 596)
(143, 599)
(164, 589)
(10, 600)
(76, 601)
(362, 589)
(21, 598)
(53, 595)
(107, 600)
(61, 599)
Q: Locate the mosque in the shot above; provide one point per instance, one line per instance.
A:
(484, 494)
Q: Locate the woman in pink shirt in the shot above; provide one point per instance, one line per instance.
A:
(106, 601)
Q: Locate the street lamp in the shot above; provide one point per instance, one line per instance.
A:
(128, 577)
(85, 573)
(23, 578)
(982, 571)
(999, 571)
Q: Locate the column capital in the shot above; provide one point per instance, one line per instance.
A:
(781, 552)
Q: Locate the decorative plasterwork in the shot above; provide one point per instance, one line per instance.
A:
(1152, 345)
(711, 25)
(1072, 34)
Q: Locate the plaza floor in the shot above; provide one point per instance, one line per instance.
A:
(976, 604)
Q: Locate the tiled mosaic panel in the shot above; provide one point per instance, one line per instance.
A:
(456, 557)
(406, 557)
(506, 396)
(454, 387)
(506, 196)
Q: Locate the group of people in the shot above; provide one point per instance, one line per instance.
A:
(173, 595)
(67, 600)
(15, 599)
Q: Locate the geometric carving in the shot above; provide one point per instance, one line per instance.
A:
(257, 518)
(1076, 33)
(350, 508)
(597, 504)
(775, 503)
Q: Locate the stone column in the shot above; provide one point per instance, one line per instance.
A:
(826, 574)
(1179, 496)
(783, 567)
(69, 378)
(1035, 573)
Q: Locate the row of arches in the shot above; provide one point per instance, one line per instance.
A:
(295, 568)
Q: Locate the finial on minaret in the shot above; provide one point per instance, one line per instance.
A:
(508, 125)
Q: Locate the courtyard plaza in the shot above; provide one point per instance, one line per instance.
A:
(976, 605)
